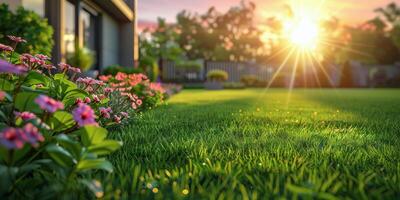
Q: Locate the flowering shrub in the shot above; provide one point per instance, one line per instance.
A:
(134, 88)
(51, 137)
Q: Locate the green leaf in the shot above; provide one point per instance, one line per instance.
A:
(34, 78)
(65, 84)
(106, 147)
(6, 85)
(61, 121)
(25, 101)
(71, 96)
(95, 164)
(92, 135)
(60, 155)
(71, 145)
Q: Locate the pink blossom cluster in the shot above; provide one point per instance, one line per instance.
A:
(16, 138)
(48, 104)
(84, 115)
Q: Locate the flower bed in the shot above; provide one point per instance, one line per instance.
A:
(52, 123)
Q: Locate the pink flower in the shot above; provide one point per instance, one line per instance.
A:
(105, 78)
(108, 90)
(12, 138)
(16, 39)
(48, 104)
(32, 135)
(4, 47)
(139, 102)
(89, 81)
(2, 95)
(96, 99)
(121, 76)
(124, 114)
(105, 112)
(134, 106)
(87, 100)
(84, 115)
(74, 69)
(42, 57)
(78, 101)
(6, 67)
(25, 115)
(64, 67)
(117, 119)
(49, 67)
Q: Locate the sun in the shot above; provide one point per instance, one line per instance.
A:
(303, 33)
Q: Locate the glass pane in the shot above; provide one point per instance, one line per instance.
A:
(34, 5)
(69, 35)
(89, 35)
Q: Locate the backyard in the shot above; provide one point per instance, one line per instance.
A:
(310, 143)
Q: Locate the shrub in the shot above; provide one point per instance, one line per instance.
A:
(233, 85)
(249, 80)
(29, 25)
(191, 65)
(150, 67)
(82, 58)
(217, 75)
(137, 88)
(51, 140)
(114, 69)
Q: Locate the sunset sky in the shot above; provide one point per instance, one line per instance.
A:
(348, 11)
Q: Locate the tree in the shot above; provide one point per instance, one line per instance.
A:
(30, 26)
(221, 36)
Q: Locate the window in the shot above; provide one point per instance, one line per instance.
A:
(69, 35)
(89, 34)
(35, 5)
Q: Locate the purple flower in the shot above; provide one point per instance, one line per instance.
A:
(48, 104)
(84, 115)
(16, 39)
(12, 138)
(4, 47)
(25, 115)
(32, 135)
(6, 67)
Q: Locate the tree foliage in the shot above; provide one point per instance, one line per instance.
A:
(29, 25)
(221, 36)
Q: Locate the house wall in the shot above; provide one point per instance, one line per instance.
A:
(110, 42)
(13, 4)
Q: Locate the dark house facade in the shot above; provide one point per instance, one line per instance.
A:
(105, 27)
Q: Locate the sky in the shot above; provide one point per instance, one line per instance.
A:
(348, 11)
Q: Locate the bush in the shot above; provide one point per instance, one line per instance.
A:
(189, 65)
(51, 141)
(233, 85)
(114, 69)
(249, 80)
(82, 58)
(150, 67)
(217, 75)
(29, 25)
(51, 125)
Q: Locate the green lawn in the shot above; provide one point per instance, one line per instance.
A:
(257, 144)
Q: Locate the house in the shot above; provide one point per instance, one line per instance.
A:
(106, 27)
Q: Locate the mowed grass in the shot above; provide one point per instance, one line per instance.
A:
(258, 144)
